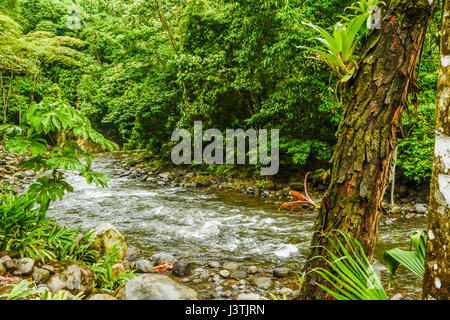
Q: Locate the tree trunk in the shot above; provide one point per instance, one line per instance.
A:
(436, 282)
(373, 101)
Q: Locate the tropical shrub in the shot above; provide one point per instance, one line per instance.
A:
(25, 230)
(47, 134)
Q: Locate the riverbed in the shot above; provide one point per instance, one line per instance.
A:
(204, 225)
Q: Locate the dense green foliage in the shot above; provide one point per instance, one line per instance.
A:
(138, 70)
(105, 278)
(23, 291)
(44, 135)
(25, 230)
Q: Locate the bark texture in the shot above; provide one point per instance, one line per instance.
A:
(437, 276)
(373, 102)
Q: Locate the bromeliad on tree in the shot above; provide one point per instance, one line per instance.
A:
(302, 199)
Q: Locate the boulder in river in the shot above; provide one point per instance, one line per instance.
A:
(224, 273)
(214, 264)
(238, 274)
(231, 266)
(106, 236)
(281, 272)
(143, 266)
(164, 257)
(252, 270)
(23, 267)
(40, 275)
(8, 263)
(72, 276)
(396, 210)
(181, 268)
(155, 287)
(421, 208)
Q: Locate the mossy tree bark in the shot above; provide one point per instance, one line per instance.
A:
(437, 275)
(373, 102)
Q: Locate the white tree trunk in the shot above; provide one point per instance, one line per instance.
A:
(437, 275)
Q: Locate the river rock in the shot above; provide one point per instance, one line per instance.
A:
(132, 253)
(164, 176)
(143, 266)
(202, 182)
(49, 268)
(117, 270)
(281, 272)
(395, 210)
(72, 276)
(8, 263)
(155, 287)
(238, 274)
(102, 296)
(181, 268)
(24, 266)
(421, 208)
(249, 296)
(224, 273)
(226, 294)
(398, 296)
(106, 236)
(164, 257)
(252, 270)
(214, 264)
(263, 282)
(231, 266)
(286, 292)
(40, 275)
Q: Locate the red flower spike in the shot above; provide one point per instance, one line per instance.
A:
(303, 199)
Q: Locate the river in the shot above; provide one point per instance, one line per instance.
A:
(203, 225)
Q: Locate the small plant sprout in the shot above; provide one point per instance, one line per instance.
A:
(302, 199)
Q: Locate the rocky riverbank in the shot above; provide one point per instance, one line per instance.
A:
(181, 281)
(11, 174)
(408, 203)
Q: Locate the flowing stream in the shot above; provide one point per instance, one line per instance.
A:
(201, 225)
